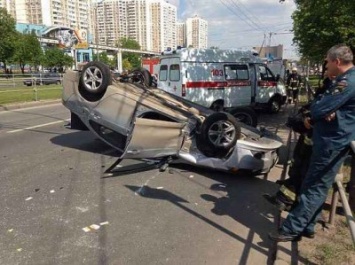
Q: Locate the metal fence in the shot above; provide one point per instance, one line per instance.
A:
(338, 189)
(29, 79)
(29, 87)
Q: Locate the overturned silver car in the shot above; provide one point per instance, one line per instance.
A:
(144, 122)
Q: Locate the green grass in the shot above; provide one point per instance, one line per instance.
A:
(21, 93)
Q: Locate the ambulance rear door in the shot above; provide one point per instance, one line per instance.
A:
(170, 75)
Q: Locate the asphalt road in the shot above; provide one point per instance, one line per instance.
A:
(53, 187)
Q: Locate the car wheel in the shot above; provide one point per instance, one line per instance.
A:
(274, 105)
(245, 115)
(219, 134)
(94, 80)
(142, 76)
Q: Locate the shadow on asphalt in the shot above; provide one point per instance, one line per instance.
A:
(84, 141)
(238, 196)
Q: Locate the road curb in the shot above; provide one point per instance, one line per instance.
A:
(21, 105)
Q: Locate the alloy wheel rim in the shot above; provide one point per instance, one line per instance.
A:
(221, 133)
(93, 78)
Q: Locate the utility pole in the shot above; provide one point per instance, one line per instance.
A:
(269, 46)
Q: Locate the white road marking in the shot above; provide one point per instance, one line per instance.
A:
(38, 126)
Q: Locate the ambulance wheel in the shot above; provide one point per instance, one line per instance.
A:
(245, 115)
(94, 80)
(274, 105)
(142, 76)
(218, 135)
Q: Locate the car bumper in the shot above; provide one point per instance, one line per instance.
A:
(256, 161)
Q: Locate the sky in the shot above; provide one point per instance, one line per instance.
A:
(243, 24)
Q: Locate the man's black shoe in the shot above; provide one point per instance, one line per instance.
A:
(308, 234)
(277, 203)
(283, 237)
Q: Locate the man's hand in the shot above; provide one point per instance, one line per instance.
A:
(307, 123)
(330, 117)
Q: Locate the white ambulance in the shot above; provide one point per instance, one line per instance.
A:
(221, 79)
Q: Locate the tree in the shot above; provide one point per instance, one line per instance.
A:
(55, 57)
(7, 36)
(126, 64)
(103, 57)
(28, 50)
(320, 24)
(133, 58)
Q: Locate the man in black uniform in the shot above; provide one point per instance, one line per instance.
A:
(286, 197)
(293, 86)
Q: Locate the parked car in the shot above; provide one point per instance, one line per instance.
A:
(43, 79)
(144, 122)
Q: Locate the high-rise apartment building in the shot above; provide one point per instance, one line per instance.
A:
(196, 32)
(68, 13)
(152, 23)
(163, 24)
(139, 22)
(180, 34)
(109, 22)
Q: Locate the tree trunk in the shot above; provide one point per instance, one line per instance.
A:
(22, 66)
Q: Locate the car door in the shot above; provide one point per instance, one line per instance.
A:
(45, 79)
(129, 121)
(151, 138)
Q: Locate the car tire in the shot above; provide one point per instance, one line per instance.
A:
(142, 76)
(274, 105)
(218, 134)
(245, 115)
(94, 79)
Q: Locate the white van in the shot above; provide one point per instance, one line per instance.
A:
(221, 79)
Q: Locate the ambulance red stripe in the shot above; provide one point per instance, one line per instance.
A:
(216, 84)
(267, 83)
